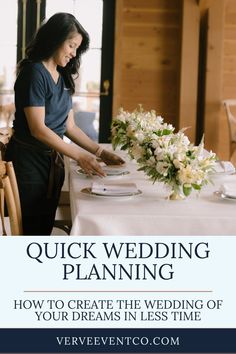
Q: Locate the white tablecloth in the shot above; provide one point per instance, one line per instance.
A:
(149, 213)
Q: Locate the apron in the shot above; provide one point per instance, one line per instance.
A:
(40, 176)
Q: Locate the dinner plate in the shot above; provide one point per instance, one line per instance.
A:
(221, 195)
(88, 191)
(108, 173)
(224, 168)
(223, 173)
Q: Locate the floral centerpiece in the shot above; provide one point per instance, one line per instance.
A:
(164, 155)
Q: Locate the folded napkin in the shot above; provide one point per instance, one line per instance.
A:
(224, 167)
(228, 189)
(114, 189)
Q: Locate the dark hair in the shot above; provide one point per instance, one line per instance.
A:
(50, 37)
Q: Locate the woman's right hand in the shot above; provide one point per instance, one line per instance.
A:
(89, 164)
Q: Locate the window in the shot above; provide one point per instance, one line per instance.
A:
(86, 101)
(8, 42)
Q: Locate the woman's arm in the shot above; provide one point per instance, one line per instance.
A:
(74, 133)
(35, 118)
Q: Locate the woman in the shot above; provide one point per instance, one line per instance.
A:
(43, 90)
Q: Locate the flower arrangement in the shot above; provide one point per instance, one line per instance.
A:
(163, 155)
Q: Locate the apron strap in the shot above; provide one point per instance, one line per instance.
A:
(57, 164)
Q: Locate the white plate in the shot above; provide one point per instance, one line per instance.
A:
(114, 169)
(108, 174)
(88, 191)
(221, 195)
(222, 172)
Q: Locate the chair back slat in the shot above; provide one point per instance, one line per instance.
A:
(14, 186)
(4, 233)
(229, 105)
(10, 193)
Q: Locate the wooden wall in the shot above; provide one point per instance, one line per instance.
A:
(229, 70)
(229, 54)
(213, 75)
(147, 56)
(220, 72)
(157, 63)
(156, 59)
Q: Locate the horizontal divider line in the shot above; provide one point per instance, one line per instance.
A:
(118, 291)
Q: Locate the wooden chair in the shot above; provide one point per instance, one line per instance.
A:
(230, 108)
(9, 193)
(6, 118)
(7, 112)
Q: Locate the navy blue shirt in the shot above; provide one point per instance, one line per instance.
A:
(35, 87)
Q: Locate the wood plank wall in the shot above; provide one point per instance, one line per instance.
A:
(149, 62)
(147, 56)
(220, 73)
(229, 70)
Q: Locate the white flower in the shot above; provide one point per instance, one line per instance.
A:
(130, 131)
(164, 155)
(159, 153)
(151, 161)
(177, 163)
(162, 168)
(139, 135)
(137, 152)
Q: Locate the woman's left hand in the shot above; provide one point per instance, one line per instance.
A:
(110, 158)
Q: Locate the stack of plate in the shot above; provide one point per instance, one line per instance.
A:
(227, 191)
(115, 170)
(224, 168)
(111, 171)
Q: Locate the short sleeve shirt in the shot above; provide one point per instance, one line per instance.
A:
(35, 87)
